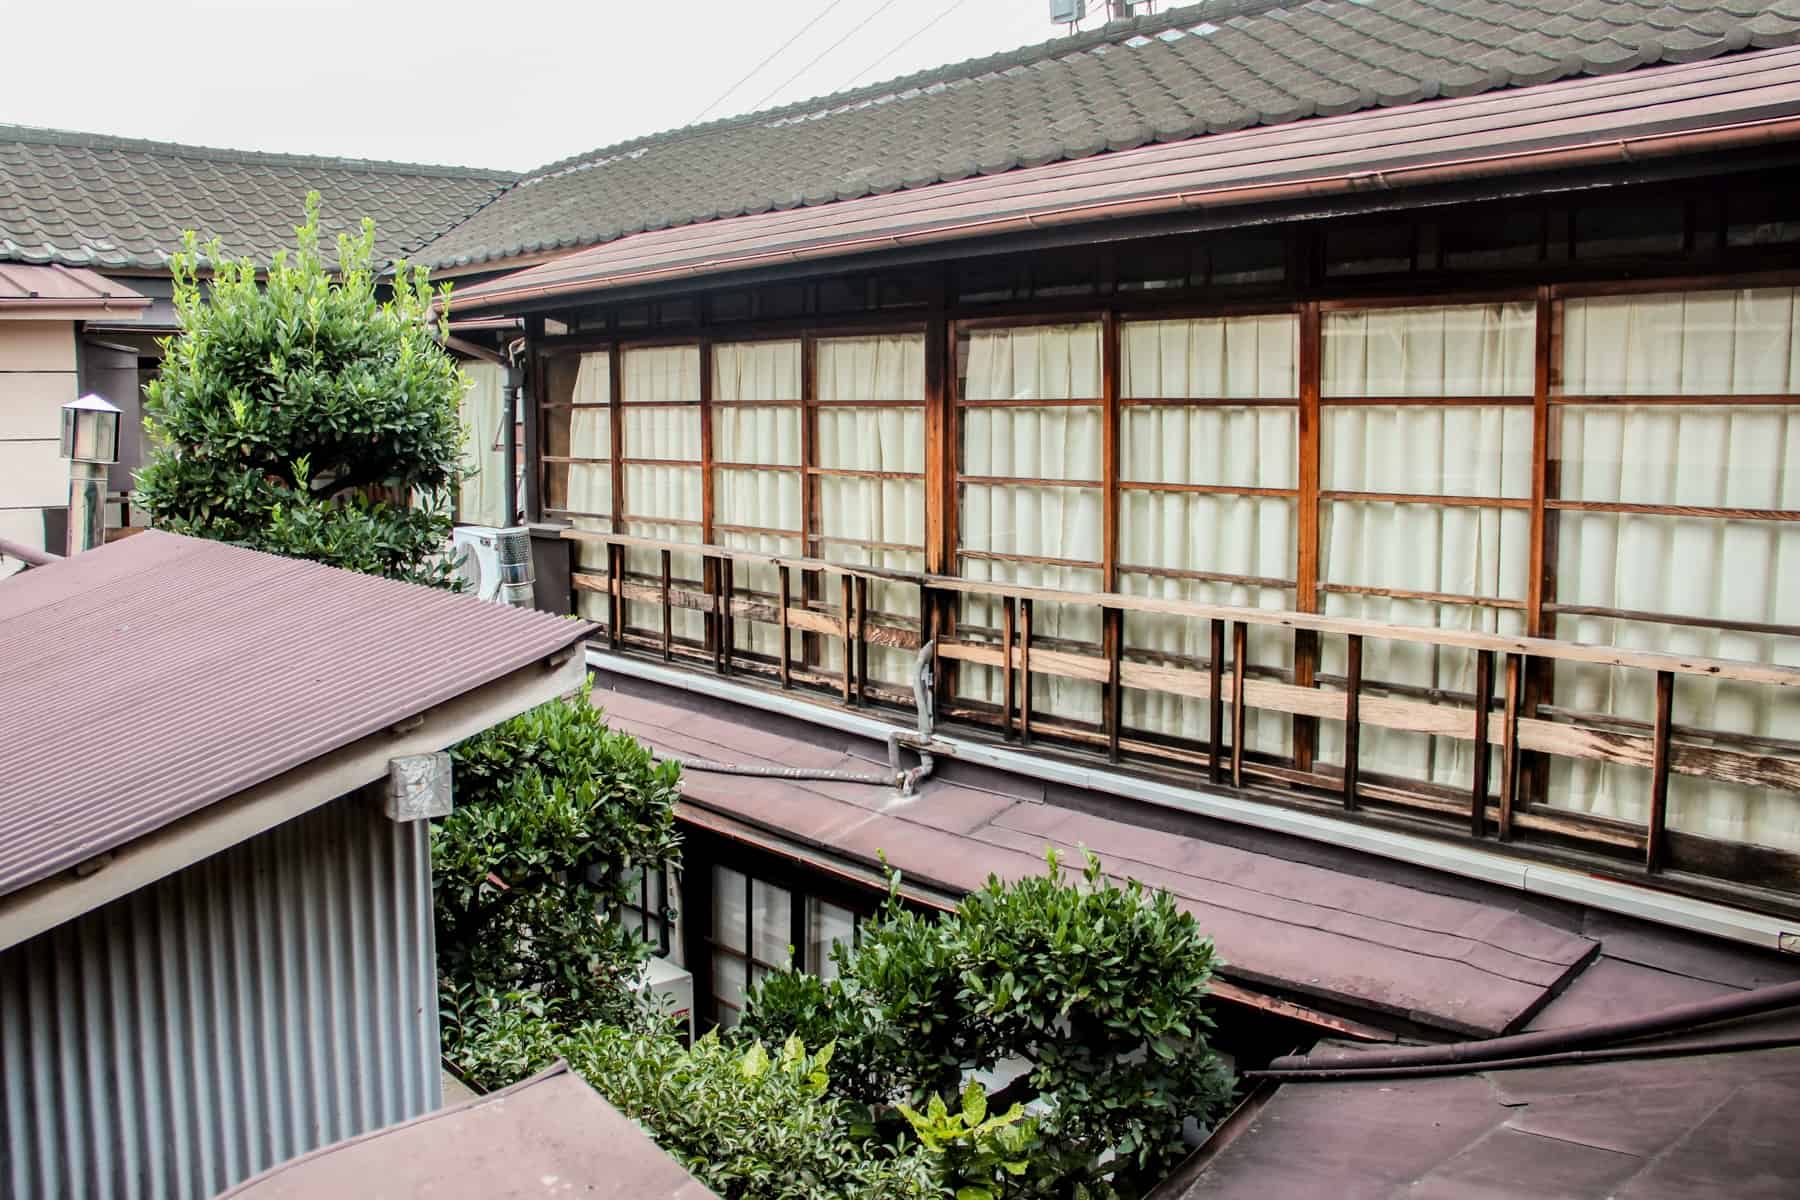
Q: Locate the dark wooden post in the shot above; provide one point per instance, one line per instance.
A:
(1484, 693)
(1115, 692)
(1006, 666)
(1509, 753)
(1657, 820)
(1025, 672)
(1215, 669)
(849, 615)
(787, 669)
(1352, 718)
(668, 612)
(1239, 643)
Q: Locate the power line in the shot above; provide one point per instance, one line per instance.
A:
(816, 59)
(907, 41)
(773, 55)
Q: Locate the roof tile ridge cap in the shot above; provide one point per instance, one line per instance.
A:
(1112, 33)
(38, 135)
(415, 251)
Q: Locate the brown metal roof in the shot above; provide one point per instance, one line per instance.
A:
(150, 678)
(1371, 944)
(550, 1135)
(1731, 102)
(26, 288)
(1711, 1124)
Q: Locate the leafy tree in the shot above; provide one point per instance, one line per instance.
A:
(748, 1124)
(555, 813)
(1099, 988)
(306, 415)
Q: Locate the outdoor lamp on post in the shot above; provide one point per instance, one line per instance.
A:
(90, 441)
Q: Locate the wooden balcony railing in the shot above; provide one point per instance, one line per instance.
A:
(828, 602)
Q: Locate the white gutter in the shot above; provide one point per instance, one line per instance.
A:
(1470, 862)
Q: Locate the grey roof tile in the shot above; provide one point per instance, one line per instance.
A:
(74, 193)
(1205, 68)
(1189, 71)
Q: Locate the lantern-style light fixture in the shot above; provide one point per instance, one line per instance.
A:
(90, 441)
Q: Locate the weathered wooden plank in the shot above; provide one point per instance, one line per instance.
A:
(1574, 741)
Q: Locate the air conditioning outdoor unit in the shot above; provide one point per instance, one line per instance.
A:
(495, 563)
(479, 546)
(670, 989)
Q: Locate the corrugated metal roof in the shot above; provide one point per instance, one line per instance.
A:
(1750, 97)
(150, 678)
(548, 1135)
(27, 288)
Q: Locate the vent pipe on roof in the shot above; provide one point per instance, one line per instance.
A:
(90, 441)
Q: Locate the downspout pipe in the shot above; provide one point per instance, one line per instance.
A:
(1678, 1019)
(509, 434)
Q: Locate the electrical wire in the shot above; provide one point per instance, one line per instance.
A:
(819, 57)
(772, 56)
(914, 36)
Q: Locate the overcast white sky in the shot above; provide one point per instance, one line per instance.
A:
(510, 84)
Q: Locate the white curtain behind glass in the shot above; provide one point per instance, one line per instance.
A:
(757, 373)
(1216, 360)
(668, 375)
(482, 497)
(1475, 450)
(865, 511)
(1064, 442)
(1712, 343)
(590, 484)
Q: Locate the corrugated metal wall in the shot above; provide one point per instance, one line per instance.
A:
(274, 998)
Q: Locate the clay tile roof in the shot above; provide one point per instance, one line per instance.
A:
(1674, 109)
(85, 200)
(211, 669)
(1180, 74)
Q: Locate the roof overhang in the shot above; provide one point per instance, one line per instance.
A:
(1629, 122)
(63, 897)
(51, 293)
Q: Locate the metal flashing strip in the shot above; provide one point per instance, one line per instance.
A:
(1469, 862)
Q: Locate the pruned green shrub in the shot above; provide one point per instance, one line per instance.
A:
(554, 813)
(304, 414)
(749, 1124)
(1099, 988)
